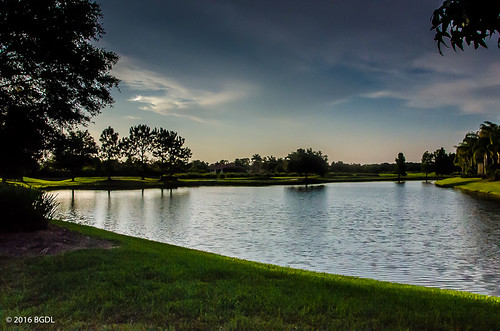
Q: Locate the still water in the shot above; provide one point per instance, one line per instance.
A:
(412, 233)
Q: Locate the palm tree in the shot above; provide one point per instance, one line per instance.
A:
(490, 135)
(466, 151)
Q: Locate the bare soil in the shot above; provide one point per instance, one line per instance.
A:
(50, 241)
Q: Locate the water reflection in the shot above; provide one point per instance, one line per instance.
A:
(411, 233)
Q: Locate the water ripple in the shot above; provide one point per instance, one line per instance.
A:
(413, 233)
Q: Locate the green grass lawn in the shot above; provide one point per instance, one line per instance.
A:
(143, 284)
(473, 185)
(136, 183)
(91, 182)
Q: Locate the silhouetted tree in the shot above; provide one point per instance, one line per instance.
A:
(110, 148)
(198, 166)
(427, 163)
(167, 147)
(307, 162)
(138, 145)
(400, 166)
(443, 162)
(256, 163)
(242, 165)
(74, 151)
(467, 154)
(52, 74)
(273, 164)
(466, 20)
(489, 139)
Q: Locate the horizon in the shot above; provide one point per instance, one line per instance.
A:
(360, 81)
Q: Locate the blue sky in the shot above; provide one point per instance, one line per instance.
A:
(359, 80)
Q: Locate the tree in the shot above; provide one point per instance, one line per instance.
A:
(427, 163)
(52, 75)
(466, 20)
(198, 166)
(167, 147)
(138, 145)
(466, 154)
(443, 163)
(110, 147)
(75, 150)
(273, 164)
(400, 166)
(307, 161)
(242, 165)
(256, 163)
(489, 138)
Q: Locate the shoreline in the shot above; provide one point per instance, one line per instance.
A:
(133, 183)
(482, 188)
(145, 284)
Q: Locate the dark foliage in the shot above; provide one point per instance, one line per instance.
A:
(168, 149)
(110, 148)
(52, 76)
(307, 162)
(138, 145)
(443, 162)
(374, 168)
(401, 165)
(74, 150)
(469, 21)
(427, 163)
(25, 209)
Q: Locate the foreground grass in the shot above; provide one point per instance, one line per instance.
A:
(137, 183)
(473, 185)
(143, 284)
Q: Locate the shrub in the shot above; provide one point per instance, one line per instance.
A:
(25, 209)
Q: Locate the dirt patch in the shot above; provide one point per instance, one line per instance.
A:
(53, 240)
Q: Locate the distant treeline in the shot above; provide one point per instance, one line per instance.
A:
(374, 168)
(161, 153)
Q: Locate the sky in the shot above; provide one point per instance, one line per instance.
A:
(359, 80)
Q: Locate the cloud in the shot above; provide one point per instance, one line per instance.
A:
(166, 96)
(447, 82)
(133, 118)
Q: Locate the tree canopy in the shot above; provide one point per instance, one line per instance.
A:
(479, 152)
(469, 21)
(427, 163)
(307, 162)
(110, 147)
(401, 165)
(138, 145)
(75, 150)
(167, 148)
(52, 74)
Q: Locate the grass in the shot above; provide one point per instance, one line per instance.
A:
(473, 185)
(143, 284)
(91, 183)
(137, 183)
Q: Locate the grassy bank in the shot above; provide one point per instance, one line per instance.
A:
(118, 183)
(473, 185)
(144, 284)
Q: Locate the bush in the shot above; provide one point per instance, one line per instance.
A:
(25, 209)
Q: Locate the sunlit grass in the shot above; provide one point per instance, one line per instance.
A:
(125, 182)
(91, 182)
(143, 284)
(454, 181)
(475, 185)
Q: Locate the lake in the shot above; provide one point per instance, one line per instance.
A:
(413, 233)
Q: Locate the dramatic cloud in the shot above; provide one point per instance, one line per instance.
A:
(435, 82)
(166, 96)
(295, 72)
